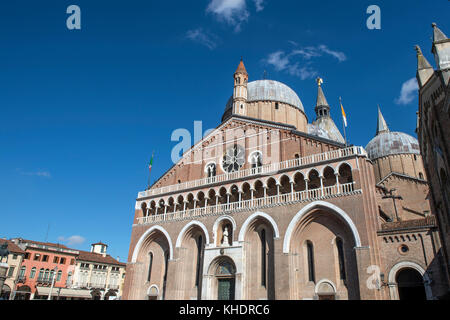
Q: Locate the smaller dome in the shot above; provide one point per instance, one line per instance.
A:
(317, 131)
(392, 143)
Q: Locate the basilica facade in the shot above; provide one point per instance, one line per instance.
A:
(272, 206)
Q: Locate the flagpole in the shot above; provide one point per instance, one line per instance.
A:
(343, 124)
(150, 170)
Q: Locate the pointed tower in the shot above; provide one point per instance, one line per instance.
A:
(393, 151)
(381, 124)
(240, 89)
(424, 69)
(322, 108)
(441, 51)
(323, 118)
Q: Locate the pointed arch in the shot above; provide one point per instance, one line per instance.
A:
(319, 204)
(186, 227)
(138, 246)
(254, 216)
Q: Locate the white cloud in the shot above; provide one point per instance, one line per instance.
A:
(38, 173)
(233, 12)
(278, 59)
(72, 240)
(204, 38)
(284, 61)
(259, 4)
(408, 91)
(338, 55)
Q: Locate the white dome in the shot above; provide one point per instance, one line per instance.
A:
(390, 143)
(270, 90)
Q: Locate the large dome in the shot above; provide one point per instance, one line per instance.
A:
(270, 90)
(391, 143)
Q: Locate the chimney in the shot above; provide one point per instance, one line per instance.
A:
(118, 260)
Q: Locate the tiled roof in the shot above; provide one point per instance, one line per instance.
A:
(49, 244)
(12, 247)
(241, 67)
(101, 243)
(97, 257)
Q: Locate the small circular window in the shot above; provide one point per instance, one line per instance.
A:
(404, 248)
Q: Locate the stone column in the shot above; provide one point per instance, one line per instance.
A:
(337, 181)
(321, 185)
(292, 190)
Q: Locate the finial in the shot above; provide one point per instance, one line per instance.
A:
(319, 81)
(434, 25)
(265, 75)
(418, 50)
(241, 58)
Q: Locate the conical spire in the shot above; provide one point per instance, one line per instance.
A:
(321, 100)
(438, 35)
(241, 68)
(441, 49)
(424, 69)
(381, 124)
(422, 62)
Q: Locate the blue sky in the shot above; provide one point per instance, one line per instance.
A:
(82, 110)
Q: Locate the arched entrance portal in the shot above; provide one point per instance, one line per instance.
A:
(222, 279)
(151, 258)
(226, 281)
(321, 239)
(410, 285)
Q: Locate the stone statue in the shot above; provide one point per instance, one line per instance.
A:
(225, 237)
(4, 252)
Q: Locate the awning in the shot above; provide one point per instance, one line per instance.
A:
(64, 292)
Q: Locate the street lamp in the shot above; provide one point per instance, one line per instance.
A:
(53, 283)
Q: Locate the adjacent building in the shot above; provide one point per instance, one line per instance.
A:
(99, 274)
(15, 274)
(47, 268)
(42, 269)
(433, 130)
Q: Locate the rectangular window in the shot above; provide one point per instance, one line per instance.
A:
(27, 255)
(10, 271)
(37, 257)
(62, 261)
(45, 258)
(55, 259)
(72, 261)
(14, 256)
